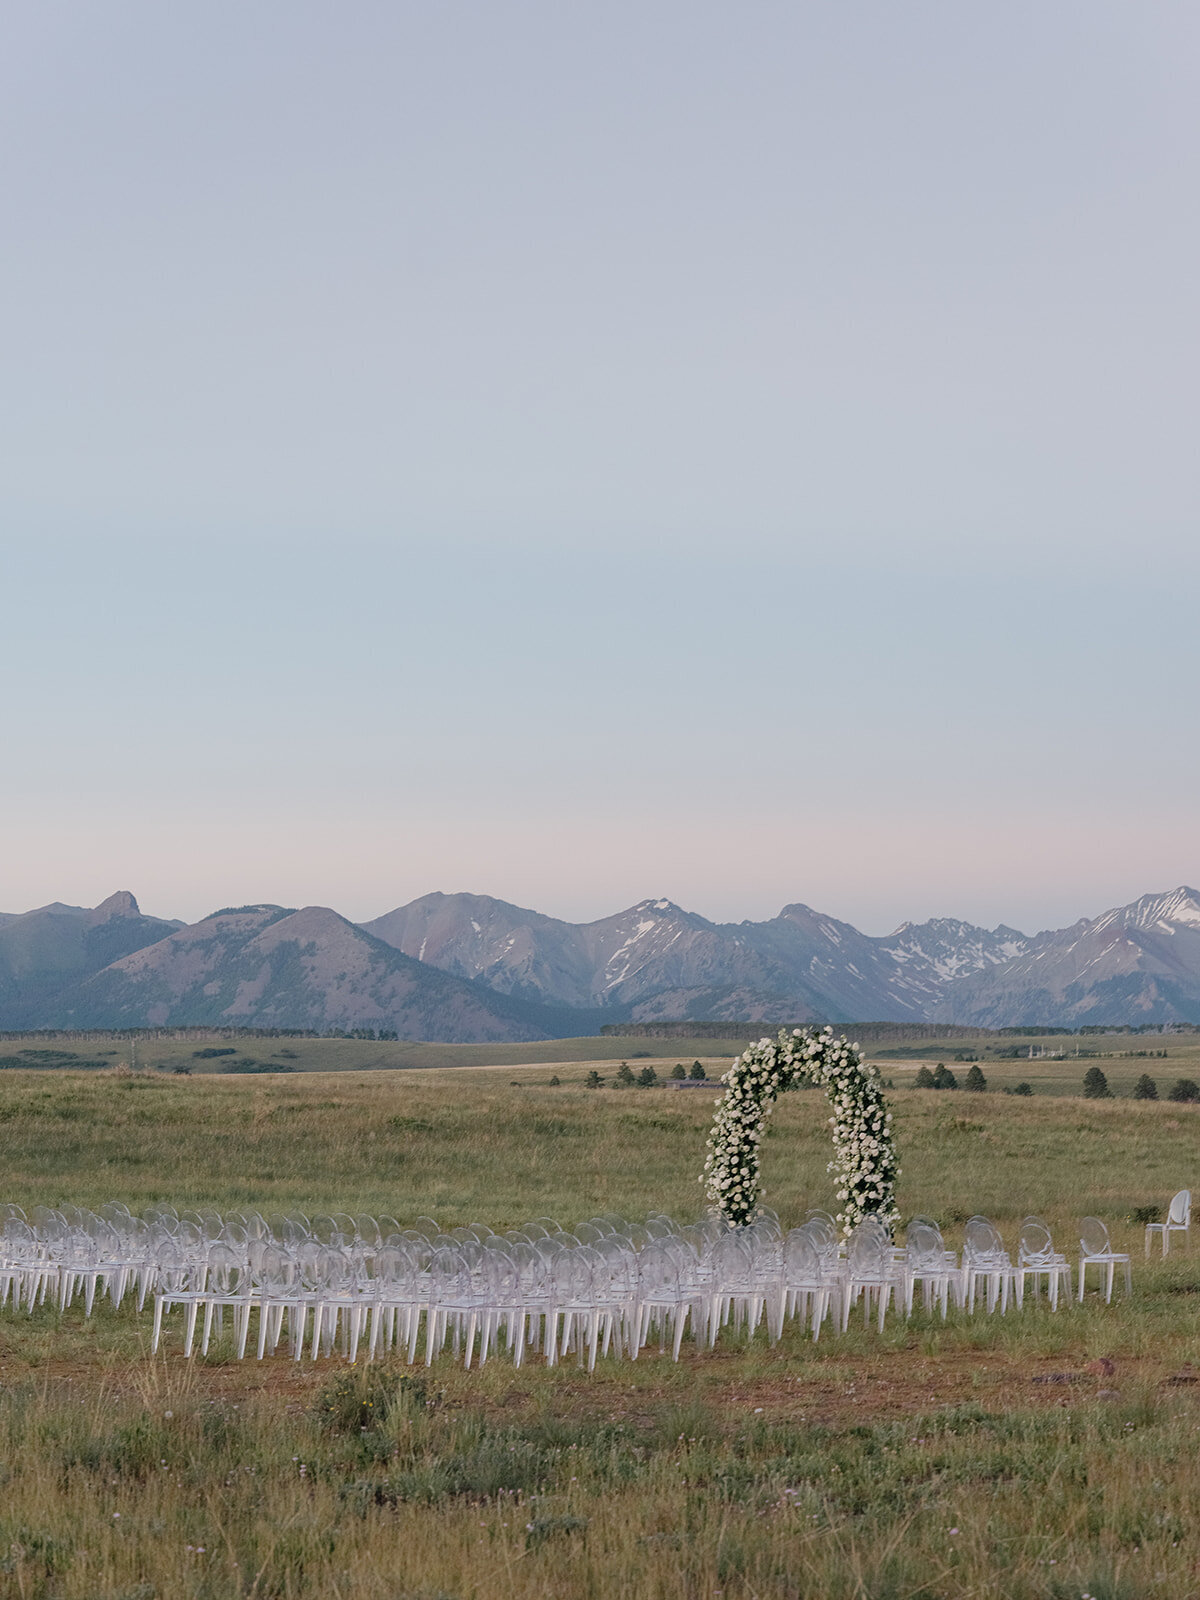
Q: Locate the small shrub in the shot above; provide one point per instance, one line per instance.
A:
(593, 1079)
(211, 1052)
(1095, 1085)
(975, 1080)
(1145, 1088)
(555, 1081)
(924, 1079)
(495, 1465)
(647, 1078)
(679, 1070)
(697, 1073)
(132, 1450)
(1141, 1215)
(640, 1055)
(543, 1528)
(27, 1552)
(357, 1401)
(1020, 1088)
(1184, 1091)
(943, 1078)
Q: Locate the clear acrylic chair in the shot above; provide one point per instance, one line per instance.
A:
(1038, 1260)
(229, 1288)
(663, 1299)
(1178, 1220)
(735, 1294)
(808, 1290)
(1095, 1250)
(986, 1261)
(570, 1278)
(871, 1271)
(927, 1262)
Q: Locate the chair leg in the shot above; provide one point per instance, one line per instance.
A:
(190, 1335)
(242, 1329)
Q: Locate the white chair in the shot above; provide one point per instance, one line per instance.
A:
(807, 1288)
(229, 1287)
(985, 1260)
(1037, 1259)
(1095, 1249)
(735, 1294)
(929, 1263)
(1179, 1220)
(871, 1270)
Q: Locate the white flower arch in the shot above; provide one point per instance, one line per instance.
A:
(864, 1155)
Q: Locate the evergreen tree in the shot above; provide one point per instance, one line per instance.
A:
(697, 1073)
(943, 1078)
(593, 1079)
(679, 1070)
(625, 1073)
(1185, 1091)
(647, 1078)
(975, 1080)
(923, 1079)
(1145, 1088)
(555, 1081)
(1095, 1085)
(1022, 1088)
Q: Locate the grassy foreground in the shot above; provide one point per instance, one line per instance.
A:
(984, 1458)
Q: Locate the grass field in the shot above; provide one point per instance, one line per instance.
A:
(985, 1457)
(1049, 1063)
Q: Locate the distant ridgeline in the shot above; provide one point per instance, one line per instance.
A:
(868, 1032)
(873, 1032)
(468, 968)
(198, 1031)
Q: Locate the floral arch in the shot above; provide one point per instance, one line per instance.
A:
(864, 1155)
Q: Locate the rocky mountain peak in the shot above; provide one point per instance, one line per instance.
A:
(1179, 907)
(527, 974)
(121, 904)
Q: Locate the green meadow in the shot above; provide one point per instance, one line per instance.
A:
(1036, 1455)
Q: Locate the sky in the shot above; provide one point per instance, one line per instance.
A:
(582, 454)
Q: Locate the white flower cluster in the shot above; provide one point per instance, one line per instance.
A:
(864, 1160)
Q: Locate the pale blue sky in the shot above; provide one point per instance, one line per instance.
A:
(738, 453)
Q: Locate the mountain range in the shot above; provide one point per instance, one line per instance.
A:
(464, 967)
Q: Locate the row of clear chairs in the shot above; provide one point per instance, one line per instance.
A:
(360, 1284)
